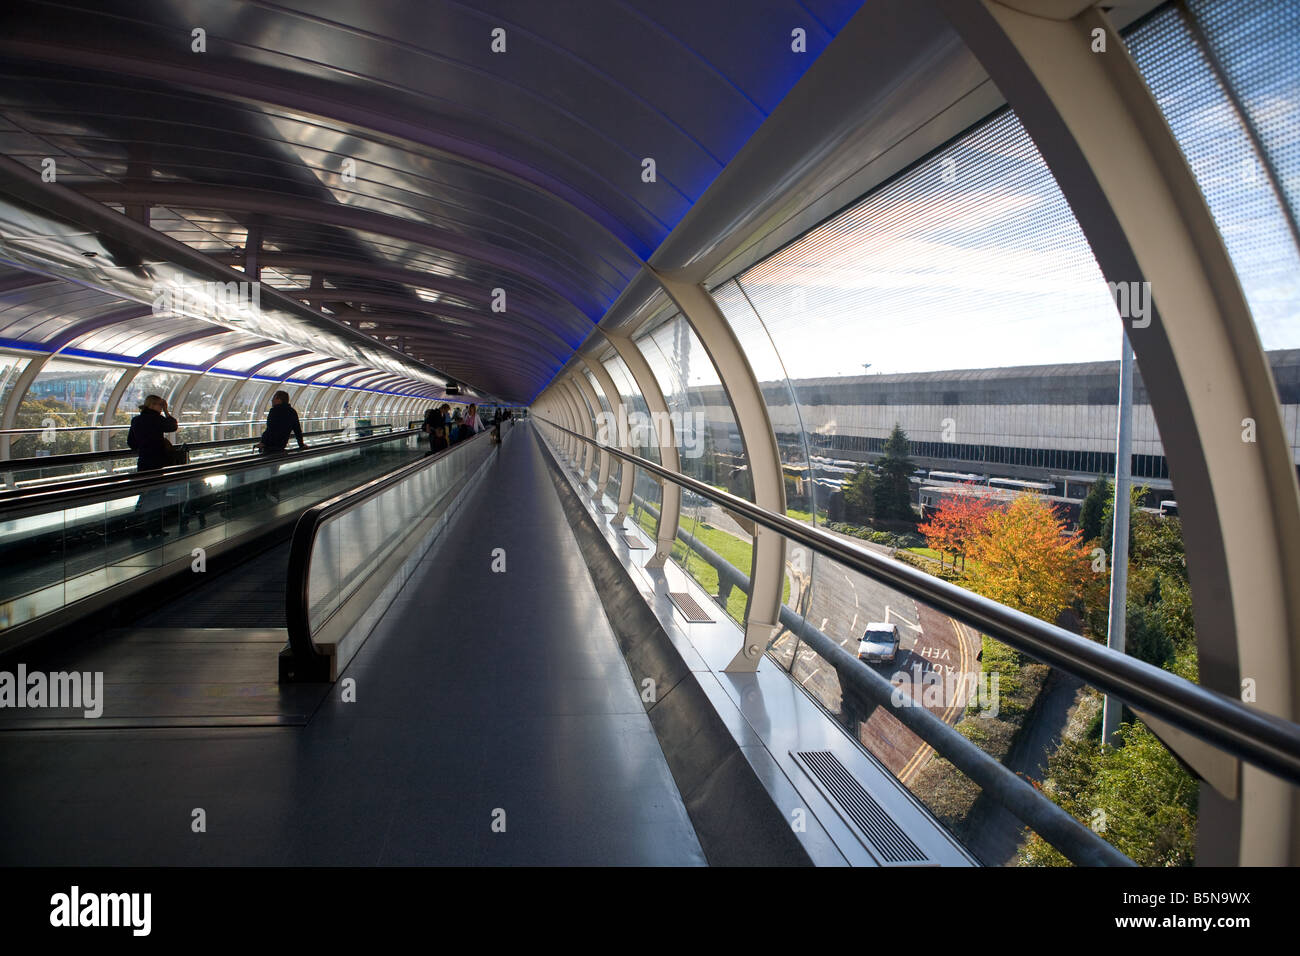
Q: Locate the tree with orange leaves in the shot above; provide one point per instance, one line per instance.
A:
(957, 521)
(1024, 558)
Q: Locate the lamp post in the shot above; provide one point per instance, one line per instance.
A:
(1119, 545)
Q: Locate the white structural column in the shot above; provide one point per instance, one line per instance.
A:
(606, 459)
(762, 613)
(670, 503)
(1112, 153)
(580, 381)
(572, 445)
(586, 425)
(16, 396)
(627, 471)
(102, 441)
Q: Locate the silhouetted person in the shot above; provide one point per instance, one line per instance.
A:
(281, 422)
(438, 440)
(147, 436)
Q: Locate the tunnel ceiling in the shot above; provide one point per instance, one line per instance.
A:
(396, 168)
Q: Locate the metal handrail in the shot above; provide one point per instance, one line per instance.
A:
(1256, 737)
(125, 425)
(111, 454)
(1078, 843)
(27, 502)
(310, 664)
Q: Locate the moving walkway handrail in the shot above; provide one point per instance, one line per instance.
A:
(297, 581)
(109, 487)
(113, 454)
(1256, 737)
(123, 426)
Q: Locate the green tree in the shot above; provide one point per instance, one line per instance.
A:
(1138, 796)
(892, 487)
(1093, 508)
(859, 498)
(1145, 637)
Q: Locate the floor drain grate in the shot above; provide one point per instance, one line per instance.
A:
(689, 607)
(634, 542)
(875, 828)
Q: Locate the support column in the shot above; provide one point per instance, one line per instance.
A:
(593, 400)
(110, 409)
(627, 471)
(16, 396)
(762, 612)
(670, 505)
(576, 408)
(587, 425)
(1114, 157)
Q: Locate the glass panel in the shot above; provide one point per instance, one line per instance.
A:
(201, 406)
(146, 382)
(65, 397)
(49, 560)
(1234, 153)
(710, 451)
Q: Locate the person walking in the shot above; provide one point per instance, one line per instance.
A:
(434, 424)
(472, 424)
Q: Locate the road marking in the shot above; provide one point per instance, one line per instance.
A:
(889, 610)
(809, 677)
(915, 763)
(854, 626)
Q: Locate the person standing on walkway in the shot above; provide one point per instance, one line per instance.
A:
(147, 437)
(147, 434)
(281, 422)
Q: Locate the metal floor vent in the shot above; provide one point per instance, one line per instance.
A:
(633, 541)
(689, 607)
(874, 827)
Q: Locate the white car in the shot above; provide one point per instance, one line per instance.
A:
(879, 644)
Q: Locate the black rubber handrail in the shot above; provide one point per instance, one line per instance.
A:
(1251, 735)
(126, 425)
(309, 664)
(114, 454)
(108, 487)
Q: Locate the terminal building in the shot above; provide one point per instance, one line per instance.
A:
(468, 607)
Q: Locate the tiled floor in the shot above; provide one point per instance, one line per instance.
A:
(481, 698)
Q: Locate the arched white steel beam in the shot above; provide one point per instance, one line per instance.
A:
(606, 459)
(586, 425)
(670, 504)
(99, 439)
(593, 402)
(570, 412)
(620, 438)
(762, 611)
(1114, 157)
(18, 394)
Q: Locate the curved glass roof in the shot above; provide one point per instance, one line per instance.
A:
(378, 166)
